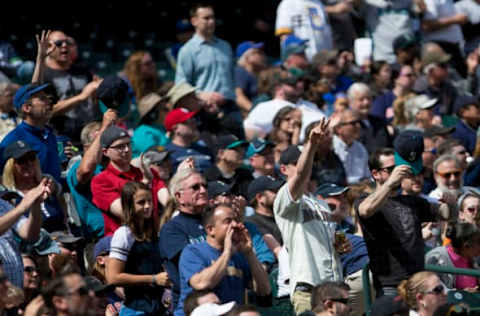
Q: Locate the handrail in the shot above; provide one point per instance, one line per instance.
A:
(428, 267)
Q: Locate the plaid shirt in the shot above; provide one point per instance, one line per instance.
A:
(10, 257)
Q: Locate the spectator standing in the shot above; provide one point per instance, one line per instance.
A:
(140, 72)
(8, 117)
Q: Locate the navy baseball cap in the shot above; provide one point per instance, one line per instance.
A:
(290, 155)
(257, 145)
(244, 46)
(216, 188)
(463, 102)
(261, 184)
(331, 189)
(409, 149)
(293, 45)
(26, 92)
(113, 93)
(16, 150)
(230, 141)
(102, 246)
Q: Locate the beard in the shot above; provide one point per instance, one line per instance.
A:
(454, 192)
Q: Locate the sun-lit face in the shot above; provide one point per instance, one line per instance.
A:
(143, 202)
(470, 210)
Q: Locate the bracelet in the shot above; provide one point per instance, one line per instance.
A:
(154, 281)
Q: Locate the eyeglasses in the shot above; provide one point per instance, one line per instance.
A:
(197, 186)
(340, 300)
(455, 173)
(388, 169)
(59, 43)
(30, 269)
(472, 209)
(82, 291)
(121, 147)
(439, 289)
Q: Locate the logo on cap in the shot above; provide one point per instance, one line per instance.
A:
(412, 156)
(20, 144)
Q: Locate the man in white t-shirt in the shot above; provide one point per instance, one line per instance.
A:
(302, 220)
(306, 19)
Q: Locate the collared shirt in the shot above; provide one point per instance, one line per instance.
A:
(107, 187)
(10, 258)
(354, 159)
(207, 65)
(42, 140)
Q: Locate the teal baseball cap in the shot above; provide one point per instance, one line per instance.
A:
(409, 148)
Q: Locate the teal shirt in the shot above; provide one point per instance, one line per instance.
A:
(146, 136)
(207, 65)
(90, 216)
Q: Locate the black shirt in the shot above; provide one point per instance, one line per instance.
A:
(266, 225)
(239, 181)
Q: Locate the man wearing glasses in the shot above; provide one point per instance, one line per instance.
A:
(391, 223)
(331, 299)
(107, 185)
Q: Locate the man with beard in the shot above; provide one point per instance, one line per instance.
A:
(35, 107)
(391, 223)
(448, 174)
(107, 186)
(225, 262)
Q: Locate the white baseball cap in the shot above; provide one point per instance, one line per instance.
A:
(212, 309)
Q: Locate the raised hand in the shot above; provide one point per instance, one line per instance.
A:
(228, 246)
(243, 242)
(397, 175)
(319, 133)
(42, 44)
(39, 193)
(109, 118)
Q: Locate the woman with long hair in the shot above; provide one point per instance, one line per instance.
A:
(287, 124)
(141, 72)
(134, 261)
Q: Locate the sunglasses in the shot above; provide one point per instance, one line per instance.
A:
(30, 269)
(197, 186)
(388, 169)
(340, 300)
(472, 209)
(456, 174)
(59, 43)
(439, 289)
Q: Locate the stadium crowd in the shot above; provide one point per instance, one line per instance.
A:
(245, 187)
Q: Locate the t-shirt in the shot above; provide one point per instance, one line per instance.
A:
(107, 187)
(305, 19)
(180, 231)
(231, 287)
(239, 182)
(90, 216)
(308, 238)
(266, 225)
(394, 238)
(246, 81)
(262, 252)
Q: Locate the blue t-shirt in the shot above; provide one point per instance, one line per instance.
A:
(262, 252)
(466, 135)
(201, 155)
(246, 81)
(43, 141)
(381, 104)
(357, 258)
(196, 258)
(176, 234)
(90, 216)
(146, 136)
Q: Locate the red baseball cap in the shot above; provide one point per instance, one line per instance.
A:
(177, 116)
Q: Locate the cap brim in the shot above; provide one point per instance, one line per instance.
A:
(258, 45)
(416, 166)
(22, 153)
(237, 144)
(122, 110)
(336, 191)
(428, 105)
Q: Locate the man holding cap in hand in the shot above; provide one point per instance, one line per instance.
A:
(391, 223)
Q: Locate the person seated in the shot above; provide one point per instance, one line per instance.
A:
(461, 253)
(198, 298)
(468, 207)
(261, 158)
(225, 262)
(468, 111)
(330, 298)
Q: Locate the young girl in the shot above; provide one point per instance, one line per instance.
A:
(134, 261)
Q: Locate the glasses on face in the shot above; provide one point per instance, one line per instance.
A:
(472, 209)
(59, 43)
(197, 186)
(340, 300)
(30, 269)
(388, 169)
(82, 291)
(121, 147)
(447, 175)
(439, 289)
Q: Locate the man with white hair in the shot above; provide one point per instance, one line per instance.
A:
(448, 175)
(374, 133)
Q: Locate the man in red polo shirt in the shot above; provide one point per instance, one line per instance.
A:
(107, 185)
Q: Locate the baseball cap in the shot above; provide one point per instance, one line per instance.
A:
(421, 102)
(331, 189)
(177, 116)
(44, 245)
(290, 155)
(64, 237)
(438, 130)
(16, 150)
(178, 91)
(113, 93)
(102, 246)
(212, 309)
(257, 145)
(403, 41)
(464, 101)
(96, 286)
(111, 134)
(230, 141)
(244, 46)
(147, 103)
(293, 45)
(409, 149)
(25, 92)
(261, 184)
(435, 57)
(216, 188)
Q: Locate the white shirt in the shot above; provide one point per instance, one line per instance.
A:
(305, 19)
(354, 159)
(437, 9)
(471, 8)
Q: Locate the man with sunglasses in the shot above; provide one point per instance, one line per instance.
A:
(107, 186)
(354, 156)
(391, 223)
(74, 86)
(331, 299)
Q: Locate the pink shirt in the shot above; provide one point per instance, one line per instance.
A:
(461, 281)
